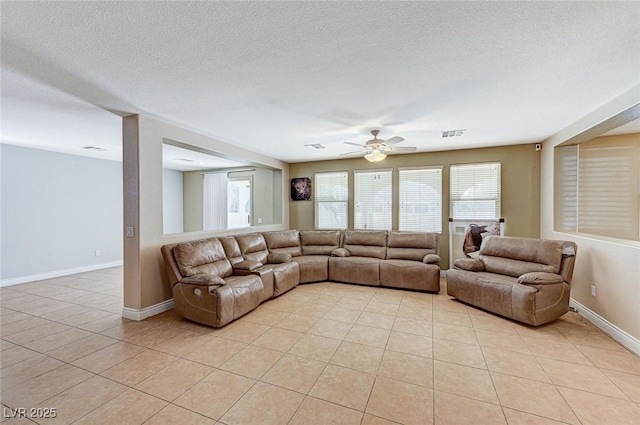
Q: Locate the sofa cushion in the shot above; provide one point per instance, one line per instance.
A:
(340, 252)
(469, 264)
(411, 245)
(366, 243)
(431, 259)
(248, 265)
(489, 291)
(231, 249)
(539, 278)
(362, 270)
(278, 257)
(202, 257)
(285, 276)
(253, 247)
(516, 256)
(410, 274)
(203, 280)
(313, 268)
(284, 242)
(319, 242)
(238, 297)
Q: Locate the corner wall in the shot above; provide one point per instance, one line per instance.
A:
(145, 281)
(612, 266)
(520, 186)
(57, 211)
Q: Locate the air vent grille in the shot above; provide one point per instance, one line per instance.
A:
(453, 133)
(315, 146)
(94, 148)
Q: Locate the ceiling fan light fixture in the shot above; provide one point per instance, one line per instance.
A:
(375, 156)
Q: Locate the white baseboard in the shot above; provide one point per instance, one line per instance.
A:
(629, 341)
(57, 273)
(135, 314)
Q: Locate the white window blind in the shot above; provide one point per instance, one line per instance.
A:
(372, 197)
(568, 188)
(607, 192)
(214, 196)
(475, 191)
(331, 197)
(421, 199)
(600, 187)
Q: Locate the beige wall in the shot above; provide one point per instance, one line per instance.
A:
(145, 281)
(520, 186)
(613, 266)
(262, 203)
(192, 183)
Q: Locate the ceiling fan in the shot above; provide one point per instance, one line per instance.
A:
(376, 150)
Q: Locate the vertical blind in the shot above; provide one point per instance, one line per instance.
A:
(214, 197)
(421, 199)
(331, 197)
(475, 191)
(372, 197)
(599, 181)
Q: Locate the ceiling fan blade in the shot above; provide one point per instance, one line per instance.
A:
(360, 152)
(393, 141)
(355, 144)
(399, 149)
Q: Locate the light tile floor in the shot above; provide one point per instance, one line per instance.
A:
(324, 353)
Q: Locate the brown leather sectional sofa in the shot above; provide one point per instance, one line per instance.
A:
(519, 278)
(217, 280)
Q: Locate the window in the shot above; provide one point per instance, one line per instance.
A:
(372, 209)
(214, 196)
(475, 191)
(331, 197)
(598, 192)
(421, 199)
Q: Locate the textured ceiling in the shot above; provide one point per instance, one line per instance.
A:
(274, 76)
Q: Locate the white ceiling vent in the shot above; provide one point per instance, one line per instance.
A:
(93, 148)
(453, 133)
(315, 146)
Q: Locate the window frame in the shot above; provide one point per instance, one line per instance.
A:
(318, 200)
(388, 209)
(458, 197)
(403, 205)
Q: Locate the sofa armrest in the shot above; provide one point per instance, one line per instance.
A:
(278, 258)
(431, 259)
(203, 280)
(340, 252)
(469, 264)
(540, 278)
(247, 265)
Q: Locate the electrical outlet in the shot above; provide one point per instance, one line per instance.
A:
(98, 253)
(129, 232)
(593, 291)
